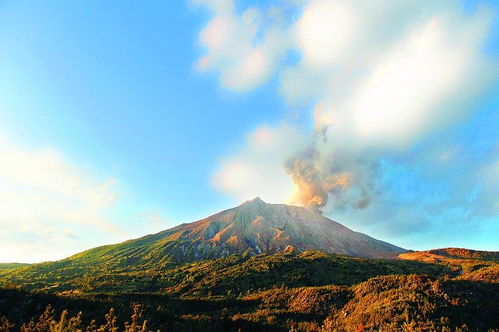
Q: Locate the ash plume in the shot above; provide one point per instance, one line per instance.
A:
(330, 178)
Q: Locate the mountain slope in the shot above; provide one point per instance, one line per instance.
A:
(466, 264)
(11, 266)
(252, 228)
(270, 228)
(436, 255)
(221, 276)
(386, 303)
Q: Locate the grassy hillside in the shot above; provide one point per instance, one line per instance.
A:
(239, 275)
(11, 266)
(451, 255)
(220, 276)
(417, 301)
(310, 291)
(149, 253)
(466, 264)
(388, 303)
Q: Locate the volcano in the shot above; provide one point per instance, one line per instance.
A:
(252, 228)
(258, 227)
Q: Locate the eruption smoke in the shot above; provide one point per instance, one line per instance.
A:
(385, 79)
(326, 176)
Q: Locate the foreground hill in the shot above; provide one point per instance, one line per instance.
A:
(11, 266)
(466, 264)
(306, 292)
(310, 291)
(450, 254)
(220, 276)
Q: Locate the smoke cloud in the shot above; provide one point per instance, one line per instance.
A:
(420, 83)
(380, 81)
(330, 178)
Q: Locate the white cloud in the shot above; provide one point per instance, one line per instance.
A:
(257, 170)
(419, 84)
(390, 72)
(244, 48)
(381, 76)
(44, 200)
(325, 32)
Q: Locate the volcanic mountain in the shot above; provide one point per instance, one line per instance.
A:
(297, 280)
(252, 228)
(298, 276)
(257, 227)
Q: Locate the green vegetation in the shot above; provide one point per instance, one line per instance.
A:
(310, 291)
(219, 276)
(243, 274)
(417, 301)
(405, 302)
(464, 263)
(11, 266)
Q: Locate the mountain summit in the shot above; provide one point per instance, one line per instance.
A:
(258, 227)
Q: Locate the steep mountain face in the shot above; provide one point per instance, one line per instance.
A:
(259, 227)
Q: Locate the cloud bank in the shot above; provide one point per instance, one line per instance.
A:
(379, 79)
(243, 174)
(46, 201)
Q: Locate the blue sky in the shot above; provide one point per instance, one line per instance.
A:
(121, 118)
